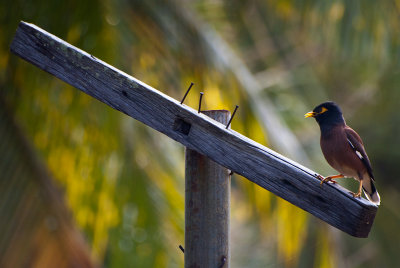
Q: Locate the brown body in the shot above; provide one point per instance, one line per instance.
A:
(336, 148)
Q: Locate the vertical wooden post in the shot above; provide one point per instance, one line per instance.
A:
(207, 208)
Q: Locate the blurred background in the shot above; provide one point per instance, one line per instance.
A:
(83, 185)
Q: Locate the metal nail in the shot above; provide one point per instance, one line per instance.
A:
(230, 120)
(187, 91)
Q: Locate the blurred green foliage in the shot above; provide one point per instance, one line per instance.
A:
(124, 182)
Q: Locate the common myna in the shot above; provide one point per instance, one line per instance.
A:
(344, 149)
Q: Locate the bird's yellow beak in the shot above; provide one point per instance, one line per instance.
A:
(310, 114)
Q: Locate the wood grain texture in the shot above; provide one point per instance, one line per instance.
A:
(207, 207)
(270, 170)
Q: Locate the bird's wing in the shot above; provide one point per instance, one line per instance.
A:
(357, 145)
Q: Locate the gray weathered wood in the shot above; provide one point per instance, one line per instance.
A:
(207, 207)
(272, 171)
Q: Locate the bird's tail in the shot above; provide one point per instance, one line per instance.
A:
(370, 191)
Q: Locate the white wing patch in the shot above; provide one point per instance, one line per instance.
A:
(355, 150)
(351, 144)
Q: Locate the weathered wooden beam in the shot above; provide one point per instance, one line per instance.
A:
(259, 164)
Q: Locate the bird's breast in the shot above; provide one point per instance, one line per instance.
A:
(339, 154)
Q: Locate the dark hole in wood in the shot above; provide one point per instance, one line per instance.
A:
(287, 182)
(320, 199)
(181, 126)
(290, 185)
(124, 93)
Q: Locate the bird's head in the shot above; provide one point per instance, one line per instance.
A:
(327, 114)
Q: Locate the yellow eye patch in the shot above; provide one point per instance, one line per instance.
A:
(323, 110)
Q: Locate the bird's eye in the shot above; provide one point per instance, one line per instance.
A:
(323, 110)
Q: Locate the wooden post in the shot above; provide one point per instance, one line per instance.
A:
(207, 207)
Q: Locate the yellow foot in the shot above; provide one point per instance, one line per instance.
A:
(327, 179)
(355, 195)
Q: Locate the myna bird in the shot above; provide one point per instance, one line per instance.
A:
(344, 149)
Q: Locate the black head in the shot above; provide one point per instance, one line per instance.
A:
(327, 114)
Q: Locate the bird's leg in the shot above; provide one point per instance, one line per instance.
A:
(330, 178)
(358, 194)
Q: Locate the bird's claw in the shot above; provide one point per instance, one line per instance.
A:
(327, 179)
(355, 195)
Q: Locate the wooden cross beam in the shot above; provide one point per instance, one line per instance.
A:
(259, 164)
